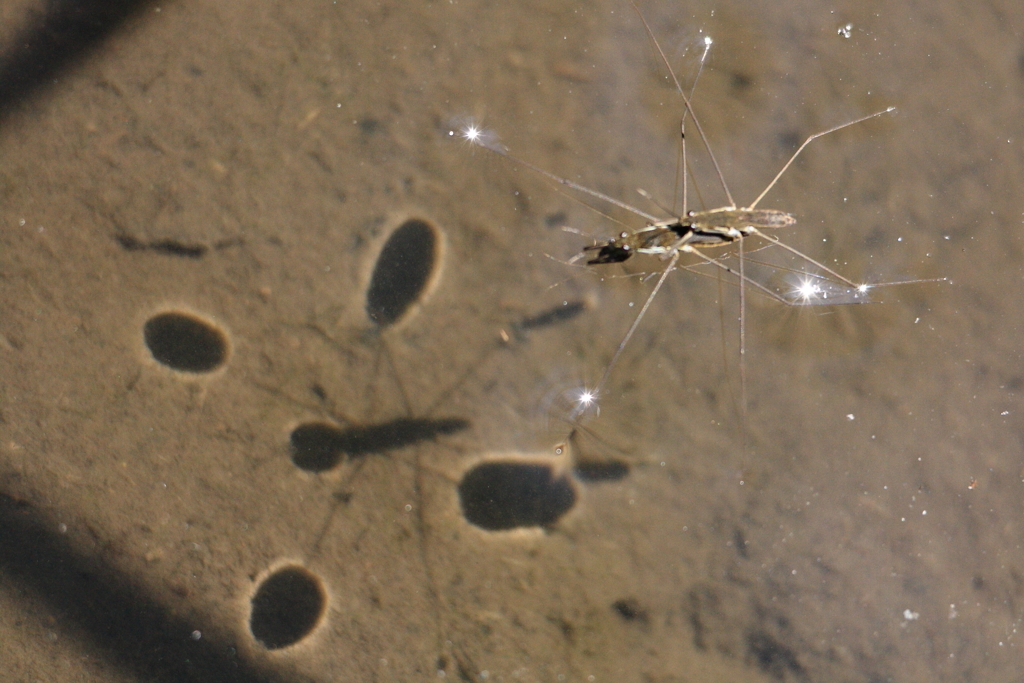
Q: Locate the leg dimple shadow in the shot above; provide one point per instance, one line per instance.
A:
(505, 495)
(185, 342)
(403, 272)
(288, 605)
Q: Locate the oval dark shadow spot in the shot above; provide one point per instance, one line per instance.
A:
(287, 606)
(319, 446)
(403, 271)
(499, 496)
(183, 342)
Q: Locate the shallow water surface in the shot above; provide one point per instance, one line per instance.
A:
(284, 364)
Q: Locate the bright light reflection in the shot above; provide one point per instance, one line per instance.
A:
(584, 400)
(807, 290)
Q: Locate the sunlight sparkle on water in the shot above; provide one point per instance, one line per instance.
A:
(811, 290)
(807, 290)
(584, 400)
(475, 135)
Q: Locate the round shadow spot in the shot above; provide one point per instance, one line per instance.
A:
(185, 343)
(499, 496)
(403, 270)
(317, 446)
(286, 608)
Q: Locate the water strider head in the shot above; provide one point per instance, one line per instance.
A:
(615, 250)
(664, 238)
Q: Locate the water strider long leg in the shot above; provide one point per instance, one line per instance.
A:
(808, 141)
(779, 243)
(579, 410)
(686, 103)
(743, 330)
(479, 138)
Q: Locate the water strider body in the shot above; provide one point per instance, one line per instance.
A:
(713, 228)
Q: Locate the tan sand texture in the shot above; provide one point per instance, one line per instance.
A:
(282, 361)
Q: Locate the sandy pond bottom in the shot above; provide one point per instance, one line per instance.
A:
(281, 363)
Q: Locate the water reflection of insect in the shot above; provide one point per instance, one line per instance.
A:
(809, 282)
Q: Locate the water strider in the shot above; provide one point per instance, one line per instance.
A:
(691, 232)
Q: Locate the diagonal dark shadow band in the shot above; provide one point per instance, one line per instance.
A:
(54, 40)
(113, 615)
